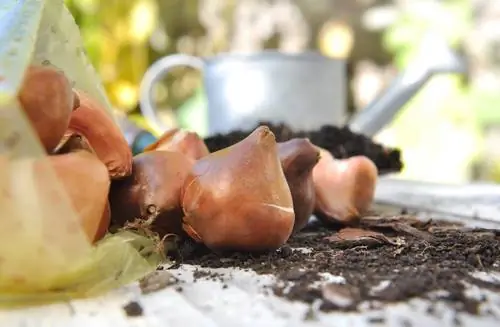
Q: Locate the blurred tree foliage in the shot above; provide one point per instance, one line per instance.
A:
(123, 37)
(116, 35)
(443, 128)
(438, 129)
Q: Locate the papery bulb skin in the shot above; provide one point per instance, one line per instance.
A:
(73, 142)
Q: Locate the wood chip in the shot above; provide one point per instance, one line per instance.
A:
(357, 236)
(410, 230)
(409, 225)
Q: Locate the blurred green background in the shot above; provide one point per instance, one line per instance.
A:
(448, 132)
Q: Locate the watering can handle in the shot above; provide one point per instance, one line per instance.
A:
(155, 73)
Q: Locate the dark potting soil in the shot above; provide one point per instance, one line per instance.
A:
(388, 260)
(339, 141)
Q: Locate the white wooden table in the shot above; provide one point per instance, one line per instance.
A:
(244, 302)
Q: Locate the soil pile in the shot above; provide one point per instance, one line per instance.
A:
(339, 141)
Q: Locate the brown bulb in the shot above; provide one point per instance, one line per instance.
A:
(298, 158)
(86, 182)
(238, 198)
(92, 121)
(345, 188)
(152, 192)
(188, 143)
(72, 142)
(47, 99)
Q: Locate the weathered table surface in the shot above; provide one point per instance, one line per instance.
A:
(477, 203)
(246, 302)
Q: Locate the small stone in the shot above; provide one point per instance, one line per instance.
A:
(340, 295)
(285, 251)
(156, 281)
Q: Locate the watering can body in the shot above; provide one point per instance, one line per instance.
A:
(305, 90)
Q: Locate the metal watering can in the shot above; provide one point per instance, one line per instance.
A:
(305, 90)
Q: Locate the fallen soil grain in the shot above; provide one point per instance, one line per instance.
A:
(133, 309)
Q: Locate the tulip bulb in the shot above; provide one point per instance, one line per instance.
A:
(298, 158)
(152, 192)
(86, 182)
(188, 143)
(237, 198)
(93, 122)
(47, 99)
(345, 188)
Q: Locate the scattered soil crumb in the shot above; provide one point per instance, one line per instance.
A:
(391, 259)
(133, 309)
(199, 274)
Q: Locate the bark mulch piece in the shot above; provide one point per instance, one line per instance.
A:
(386, 259)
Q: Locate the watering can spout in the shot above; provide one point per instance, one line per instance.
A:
(435, 57)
